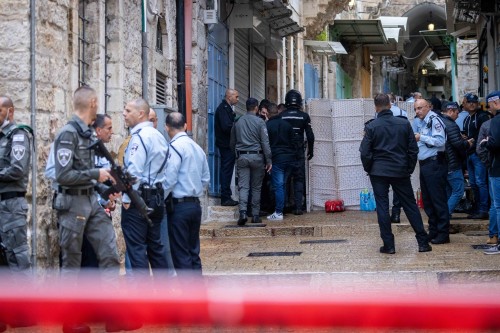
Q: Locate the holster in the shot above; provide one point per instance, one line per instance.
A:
(169, 203)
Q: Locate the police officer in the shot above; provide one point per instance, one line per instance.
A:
(78, 208)
(187, 175)
(250, 141)
(431, 138)
(145, 158)
(396, 203)
(389, 155)
(223, 123)
(15, 152)
(301, 123)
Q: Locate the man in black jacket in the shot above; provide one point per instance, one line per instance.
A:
(283, 151)
(477, 170)
(389, 155)
(224, 121)
(492, 143)
(456, 148)
(301, 123)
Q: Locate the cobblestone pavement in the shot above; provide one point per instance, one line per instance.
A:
(336, 254)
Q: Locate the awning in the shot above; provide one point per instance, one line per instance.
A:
(325, 47)
(279, 17)
(438, 41)
(384, 36)
(359, 31)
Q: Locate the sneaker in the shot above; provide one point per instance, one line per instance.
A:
(492, 240)
(275, 217)
(492, 250)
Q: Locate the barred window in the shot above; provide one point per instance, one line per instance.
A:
(159, 38)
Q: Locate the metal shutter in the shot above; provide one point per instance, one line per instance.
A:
(258, 83)
(241, 68)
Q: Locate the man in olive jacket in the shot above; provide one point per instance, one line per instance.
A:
(389, 155)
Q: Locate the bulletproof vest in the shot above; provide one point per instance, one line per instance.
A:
(296, 118)
(16, 184)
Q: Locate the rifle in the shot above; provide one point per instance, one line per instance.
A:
(124, 181)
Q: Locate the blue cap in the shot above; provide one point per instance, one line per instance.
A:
(449, 105)
(470, 97)
(493, 96)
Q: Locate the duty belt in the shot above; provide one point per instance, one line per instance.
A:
(76, 191)
(11, 195)
(243, 152)
(439, 157)
(186, 199)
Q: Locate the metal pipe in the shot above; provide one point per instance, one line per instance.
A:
(144, 52)
(33, 126)
(181, 77)
(188, 14)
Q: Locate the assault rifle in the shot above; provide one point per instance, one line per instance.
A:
(124, 181)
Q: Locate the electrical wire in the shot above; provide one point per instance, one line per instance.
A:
(225, 20)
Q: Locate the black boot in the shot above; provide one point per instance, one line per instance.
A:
(395, 217)
(243, 218)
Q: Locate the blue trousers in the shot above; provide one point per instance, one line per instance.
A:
(184, 233)
(144, 245)
(454, 189)
(478, 181)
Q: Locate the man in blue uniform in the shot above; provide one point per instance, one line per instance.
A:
(186, 177)
(145, 158)
(223, 123)
(389, 155)
(301, 123)
(431, 138)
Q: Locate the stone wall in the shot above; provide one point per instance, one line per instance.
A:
(114, 56)
(467, 68)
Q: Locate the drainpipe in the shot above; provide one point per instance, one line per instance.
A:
(33, 126)
(188, 13)
(144, 52)
(181, 74)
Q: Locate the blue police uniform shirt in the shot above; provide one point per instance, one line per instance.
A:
(145, 155)
(187, 173)
(398, 112)
(460, 120)
(432, 135)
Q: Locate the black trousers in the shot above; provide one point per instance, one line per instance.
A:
(298, 172)
(227, 160)
(433, 180)
(402, 187)
(396, 204)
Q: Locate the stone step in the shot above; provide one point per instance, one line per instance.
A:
(221, 214)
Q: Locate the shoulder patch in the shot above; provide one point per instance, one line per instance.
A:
(18, 151)
(438, 127)
(64, 156)
(133, 149)
(18, 138)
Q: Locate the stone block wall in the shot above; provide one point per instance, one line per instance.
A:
(114, 47)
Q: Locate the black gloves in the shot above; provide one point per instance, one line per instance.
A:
(309, 155)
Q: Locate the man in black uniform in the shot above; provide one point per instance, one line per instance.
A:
(301, 123)
(389, 155)
(224, 121)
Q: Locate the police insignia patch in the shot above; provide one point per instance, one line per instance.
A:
(18, 138)
(18, 152)
(64, 156)
(133, 149)
(438, 126)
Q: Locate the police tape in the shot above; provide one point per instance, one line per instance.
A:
(225, 302)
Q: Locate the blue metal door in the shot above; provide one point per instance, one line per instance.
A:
(311, 78)
(217, 84)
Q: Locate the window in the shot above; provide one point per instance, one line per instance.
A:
(82, 43)
(161, 88)
(159, 38)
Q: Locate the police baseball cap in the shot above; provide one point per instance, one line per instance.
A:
(470, 97)
(493, 96)
(449, 105)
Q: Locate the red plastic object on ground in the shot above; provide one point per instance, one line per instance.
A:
(420, 201)
(332, 206)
